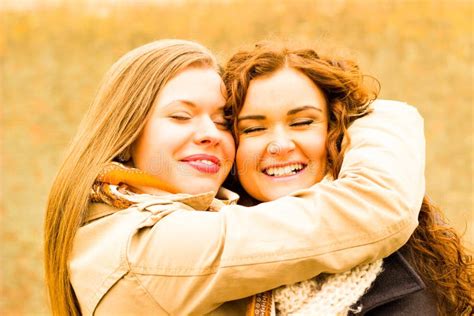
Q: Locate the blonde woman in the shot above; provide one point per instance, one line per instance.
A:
(123, 231)
(293, 108)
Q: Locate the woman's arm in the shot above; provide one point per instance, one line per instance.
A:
(191, 262)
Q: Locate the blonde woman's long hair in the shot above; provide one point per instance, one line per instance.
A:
(113, 122)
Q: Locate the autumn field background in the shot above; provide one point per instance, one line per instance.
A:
(53, 55)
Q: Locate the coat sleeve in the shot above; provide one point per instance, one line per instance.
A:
(370, 211)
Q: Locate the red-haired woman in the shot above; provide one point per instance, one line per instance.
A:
(293, 111)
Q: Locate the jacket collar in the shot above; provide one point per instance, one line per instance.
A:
(397, 280)
(208, 201)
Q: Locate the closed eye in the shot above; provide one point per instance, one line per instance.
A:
(302, 122)
(252, 129)
(225, 124)
(180, 116)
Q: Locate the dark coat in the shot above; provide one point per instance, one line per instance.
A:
(398, 290)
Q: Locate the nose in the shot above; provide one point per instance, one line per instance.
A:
(207, 133)
(281, 142)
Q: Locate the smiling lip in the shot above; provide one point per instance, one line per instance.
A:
(203, 163)
(280, 171)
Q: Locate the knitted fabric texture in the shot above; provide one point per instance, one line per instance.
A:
(327, 295)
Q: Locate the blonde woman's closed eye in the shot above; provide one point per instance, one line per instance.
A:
(180, 116)
(223, 124)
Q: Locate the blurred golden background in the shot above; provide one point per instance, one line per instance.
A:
(54, 53)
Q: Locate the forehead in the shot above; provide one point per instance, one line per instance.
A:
(199, 85)
(283, 89)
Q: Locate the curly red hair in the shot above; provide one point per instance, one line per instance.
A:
(435, 248)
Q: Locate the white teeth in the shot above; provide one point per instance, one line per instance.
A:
(284, 171)
(206, 162)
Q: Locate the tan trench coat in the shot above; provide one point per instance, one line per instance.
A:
(163, 258)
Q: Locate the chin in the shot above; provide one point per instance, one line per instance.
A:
(266, 197)
(276, 194)
(199, 189)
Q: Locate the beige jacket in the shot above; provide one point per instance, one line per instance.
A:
(162, 258)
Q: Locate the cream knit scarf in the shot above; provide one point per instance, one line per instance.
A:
(327, 295)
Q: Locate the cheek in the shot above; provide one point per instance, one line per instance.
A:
(151, 157)
(229, 147)
(315, 145)
(155, 145)
(140, 150)
(240, 157)
(248, 155)
(319, 148)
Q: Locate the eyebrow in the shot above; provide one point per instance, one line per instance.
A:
(290, 112)
(251, 117)
(303, 108)
(189, 103)
(186, 102)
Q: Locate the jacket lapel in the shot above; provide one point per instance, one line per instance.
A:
(397, 280)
